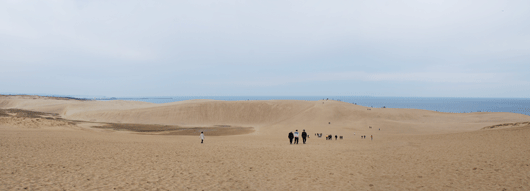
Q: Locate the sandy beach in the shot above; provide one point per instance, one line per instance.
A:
(65, 144)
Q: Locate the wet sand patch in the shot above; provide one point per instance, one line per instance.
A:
(19, 117)
(505, 125)
(26, 113)
(211, 131)
(153, 129)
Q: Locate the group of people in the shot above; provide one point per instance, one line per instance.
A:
(295, 136)
(364, 137)
(330, 137)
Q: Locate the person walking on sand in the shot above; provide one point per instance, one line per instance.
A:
(296, 137)
(304, 136)
(291, 136)
(371, 137)
(202, 137)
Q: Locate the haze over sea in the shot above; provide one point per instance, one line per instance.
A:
(442, 104)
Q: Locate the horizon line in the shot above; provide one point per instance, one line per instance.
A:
(169, 96)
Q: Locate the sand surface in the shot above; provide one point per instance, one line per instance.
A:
(58, 144)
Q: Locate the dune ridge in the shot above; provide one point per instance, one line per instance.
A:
(275, 115)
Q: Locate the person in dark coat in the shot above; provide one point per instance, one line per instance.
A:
(291, 136)
(304, 136)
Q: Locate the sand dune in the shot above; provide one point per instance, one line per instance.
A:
(414, 150)
(270, 114)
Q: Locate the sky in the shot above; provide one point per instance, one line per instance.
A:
(431, 48)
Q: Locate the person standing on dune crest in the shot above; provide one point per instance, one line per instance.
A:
(291, 136)
(202, 137)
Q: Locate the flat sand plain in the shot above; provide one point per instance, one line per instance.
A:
(58, 147)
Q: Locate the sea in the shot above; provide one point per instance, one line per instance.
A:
(441, 104)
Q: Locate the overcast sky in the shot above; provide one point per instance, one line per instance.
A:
(425, 48)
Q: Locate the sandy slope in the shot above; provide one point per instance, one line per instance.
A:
(275, 115)
(414, 150)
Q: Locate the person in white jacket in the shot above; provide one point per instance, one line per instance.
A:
(202, 137)
(296, 137)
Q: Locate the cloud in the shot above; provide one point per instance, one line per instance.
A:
(238, 44)
(423, 77)
(438, 77)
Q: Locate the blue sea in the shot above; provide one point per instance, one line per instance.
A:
(453, 105)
